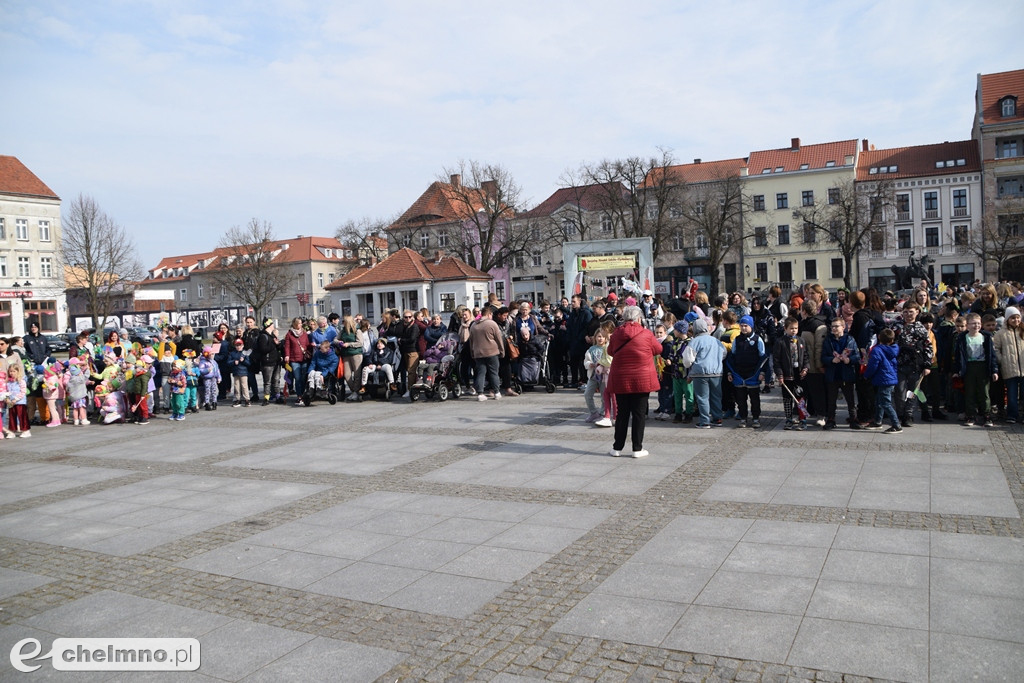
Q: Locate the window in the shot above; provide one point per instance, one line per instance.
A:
(652, 213)
(442, 238)
(223, 291)
(3, 229)
(961, 235)
(677, 242)
(199, 290)
(780, 169)
(833, 195)
(830, 164)
(781, 200)
(183, 294)
(931, 236)
(931, 204)
(43, 313)
(284, 308)
(301, 282)
(785, 271)
(44, 231)
(46, 267)
(24, 267)
(960, 201)
(330, 278)
(568, 228)
(447, 302)
(675, 212)
(811, 269)
(807, 198)
(3, 266)
(783, 234)
(758, 202)
(760, 236)
(1006, 149)
(1008, 105)
(536, 259)
(606, 223)
(878, 239)
(518, 261)
(424, 240)
(1010, 187)
(21, 228)
(698, 207)
(809, 237)
(761, 272)
(320, 280)
(329, 253)
(836, 266)
(903, 239)
(804, 167)
(499, 289)
(903, 207)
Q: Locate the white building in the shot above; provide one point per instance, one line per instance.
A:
(31, 279)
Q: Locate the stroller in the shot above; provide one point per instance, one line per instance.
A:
(531, 370)
(438, 374)
(376, 384)
(319, 386)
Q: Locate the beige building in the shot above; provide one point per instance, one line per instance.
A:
(311, 262)
(31, 279)
(780, 182)
(999, 134)
(936, 208)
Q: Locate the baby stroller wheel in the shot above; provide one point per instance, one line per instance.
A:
(414, 396)
(549, 387)
(442, 392)
(457, 390)
(331, 398)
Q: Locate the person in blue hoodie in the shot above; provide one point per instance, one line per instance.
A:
(745, 368)
(840, 358)
(704, 357)
(322, 367)
(881, 370)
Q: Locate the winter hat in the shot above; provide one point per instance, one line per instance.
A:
(681, 327)
(630, 301)
(691, 317)
(700, 326)
(1010, 311)
(267, 322)
(747, 320)
(612, 297)
(239, 342)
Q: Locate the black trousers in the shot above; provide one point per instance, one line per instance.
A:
(865, 400)
(832, 397)
(630, 408)
(754, 393)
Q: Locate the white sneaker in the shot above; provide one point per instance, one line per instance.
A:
(481, 397)
(614, 453)
(603, 422)
(85, 422)
(25, 435)
(497, 395)
(820, 422)
(642, 453)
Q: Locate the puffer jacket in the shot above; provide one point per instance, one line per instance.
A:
(633, 347)
(881, 369)
(1010, 352)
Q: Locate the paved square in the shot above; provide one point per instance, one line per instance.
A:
(27, 480)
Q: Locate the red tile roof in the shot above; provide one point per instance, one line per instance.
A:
(791, 159)
(406, 265)
(702, 172)
(437, 205)
(913, 162)
(298, 250)
(586, 197)
(15, 178)
(994, 87)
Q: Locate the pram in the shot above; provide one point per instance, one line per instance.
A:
(438, 372)
(319, 387)
(376, 384)
(531, 369)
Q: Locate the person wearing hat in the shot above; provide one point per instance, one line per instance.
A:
(1009, 347)
(269, 354)
(745, 368)
(682, 388)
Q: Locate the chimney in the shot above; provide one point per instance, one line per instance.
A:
(456, 180)
(438, 255)
(490, 188)
(864, 145)
(696, 161)
(795, 144)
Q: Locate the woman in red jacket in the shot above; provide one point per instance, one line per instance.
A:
(297, 352)
(632, 378)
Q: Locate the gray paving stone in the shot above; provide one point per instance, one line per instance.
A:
(811, 495)
(366, 582)
(983, 578)
(446, 594)
(870, 604)
(495, 564)
(232, 559)
(13, 582)
(536, 537)
(890, 569)
(240, 648)
(897, 499)
(657, 582)
(293, 569)
(399, 523)
(321, 659)
(961, 658)
(420, 553)
(615, 617)
(786, 560)
(692, 552)
(791, 533)
(994, 506)
(869, 539)
(465, 530)
(351, 544)
(980, 616)
(757, 592)
(734, 633)
(862, 649)
(973, 547)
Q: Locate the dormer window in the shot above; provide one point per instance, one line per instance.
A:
(1008, 105)
(328, 253)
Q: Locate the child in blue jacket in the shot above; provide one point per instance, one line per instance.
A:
(881, 370)
(840, 358)
(238, 361)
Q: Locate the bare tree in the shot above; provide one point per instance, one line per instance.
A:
(246, 265)
(101, 254)
(999, 238)
(851, 216)
(640, 196)
(714, 222)
(486, 200)
(367, 236)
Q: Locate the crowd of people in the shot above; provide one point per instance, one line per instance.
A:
(930, 355)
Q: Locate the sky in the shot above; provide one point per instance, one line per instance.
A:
(185, 118)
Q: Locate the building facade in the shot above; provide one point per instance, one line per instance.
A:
(781, 182)
(999, 134)
(935, 210)
(31, 279)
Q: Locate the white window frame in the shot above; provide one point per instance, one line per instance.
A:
(199, 290)
(24, 266)
(44, 231)
(3, 266)
(442, 239)
(183, 294)
(21, 229)
(424, 240)
(960, 211)
(320, 280)
(46, 267)
(537, 258)
(606, 223)
(3, 229)
(677, 242)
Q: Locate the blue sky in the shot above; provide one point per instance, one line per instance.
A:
(185, 118)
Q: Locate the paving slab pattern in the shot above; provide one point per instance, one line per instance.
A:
(497, 541)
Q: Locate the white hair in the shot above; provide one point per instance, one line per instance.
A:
(632, 313)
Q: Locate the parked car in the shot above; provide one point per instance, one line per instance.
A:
(145, 335)
(58, 342)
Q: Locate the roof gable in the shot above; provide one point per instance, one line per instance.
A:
(996, 87)
(15, 178)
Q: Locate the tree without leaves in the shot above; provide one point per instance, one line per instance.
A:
(847, 216)
(365, 237)
(246, 265)
(1000, 237)
(102, 254)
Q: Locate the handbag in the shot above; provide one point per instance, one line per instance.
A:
(513, 350)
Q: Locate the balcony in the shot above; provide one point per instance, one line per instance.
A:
(931, 213)
(904, 252)
(903, 216)
(696, 253)
(934, 251)
(959, 213)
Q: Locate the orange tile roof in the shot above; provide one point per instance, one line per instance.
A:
(15, 178)
(439, 204)
(913, 162)
(703, 172)
(995, 87)
(789, 159)
(586, 197)
(298, 250)
(406, 265)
